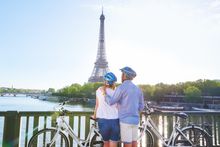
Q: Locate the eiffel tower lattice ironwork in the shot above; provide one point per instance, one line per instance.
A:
(101, 64)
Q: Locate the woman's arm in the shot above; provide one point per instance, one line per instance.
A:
(96, 107)
(115, 98)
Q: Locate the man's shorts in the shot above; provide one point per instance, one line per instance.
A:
(109, 129)
(129, 132)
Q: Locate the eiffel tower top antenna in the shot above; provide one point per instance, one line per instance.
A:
(101, 64)
(102, 6)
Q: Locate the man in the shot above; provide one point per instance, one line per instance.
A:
(130, 102)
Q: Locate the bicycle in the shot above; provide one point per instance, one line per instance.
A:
(51, 137)
(188, 136)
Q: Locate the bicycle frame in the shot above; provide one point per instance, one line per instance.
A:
(150, 126)
(64, 127)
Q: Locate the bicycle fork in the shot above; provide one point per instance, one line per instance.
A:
(54, 139)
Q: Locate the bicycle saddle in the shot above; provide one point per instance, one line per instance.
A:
(181, 115)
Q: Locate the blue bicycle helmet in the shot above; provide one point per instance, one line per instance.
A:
(129, 72)
(110, 78)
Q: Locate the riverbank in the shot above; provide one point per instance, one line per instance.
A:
(190, 106)
(72, 101)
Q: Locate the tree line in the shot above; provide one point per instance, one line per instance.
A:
(78, 91)
(192, 90)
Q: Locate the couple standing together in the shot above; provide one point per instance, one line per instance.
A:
(117, 109)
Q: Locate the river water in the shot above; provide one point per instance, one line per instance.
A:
(23, 103)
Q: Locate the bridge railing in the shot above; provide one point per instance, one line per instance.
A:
(16, 128)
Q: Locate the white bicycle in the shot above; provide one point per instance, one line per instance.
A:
(188, 136)
(59, 136)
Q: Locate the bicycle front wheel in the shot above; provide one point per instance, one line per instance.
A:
(96, 141)
(198, 138)
(145, 139)
(43, 138)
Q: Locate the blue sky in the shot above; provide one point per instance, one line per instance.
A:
(53, 43)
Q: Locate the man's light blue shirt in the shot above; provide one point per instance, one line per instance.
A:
(130, 102)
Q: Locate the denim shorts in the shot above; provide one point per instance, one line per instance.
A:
(109, 129)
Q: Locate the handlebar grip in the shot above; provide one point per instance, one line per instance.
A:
(92, 118)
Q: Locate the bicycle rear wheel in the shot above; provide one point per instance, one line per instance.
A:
(198, 137)
(96, 141)
(44, 137)
(145, 139)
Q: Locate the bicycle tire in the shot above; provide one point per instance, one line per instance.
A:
(43, 138)
(197, 136)
(96, 141)
(146, 139)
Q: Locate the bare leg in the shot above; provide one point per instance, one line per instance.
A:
(113, 144)
(106, 143)
(134, 143)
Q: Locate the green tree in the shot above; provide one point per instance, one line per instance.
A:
(75, 90)
(88, 89)
(192, 94)
(51, 90)
(158, 94)
(148, 91)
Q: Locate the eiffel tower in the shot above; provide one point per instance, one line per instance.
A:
(101, 64)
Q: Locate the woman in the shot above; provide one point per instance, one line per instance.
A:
(107, 115)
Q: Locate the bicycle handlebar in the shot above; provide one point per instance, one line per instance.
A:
(62, 111)
(148, 109)
(63, 103)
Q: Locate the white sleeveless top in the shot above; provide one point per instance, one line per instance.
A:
(104, 110)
